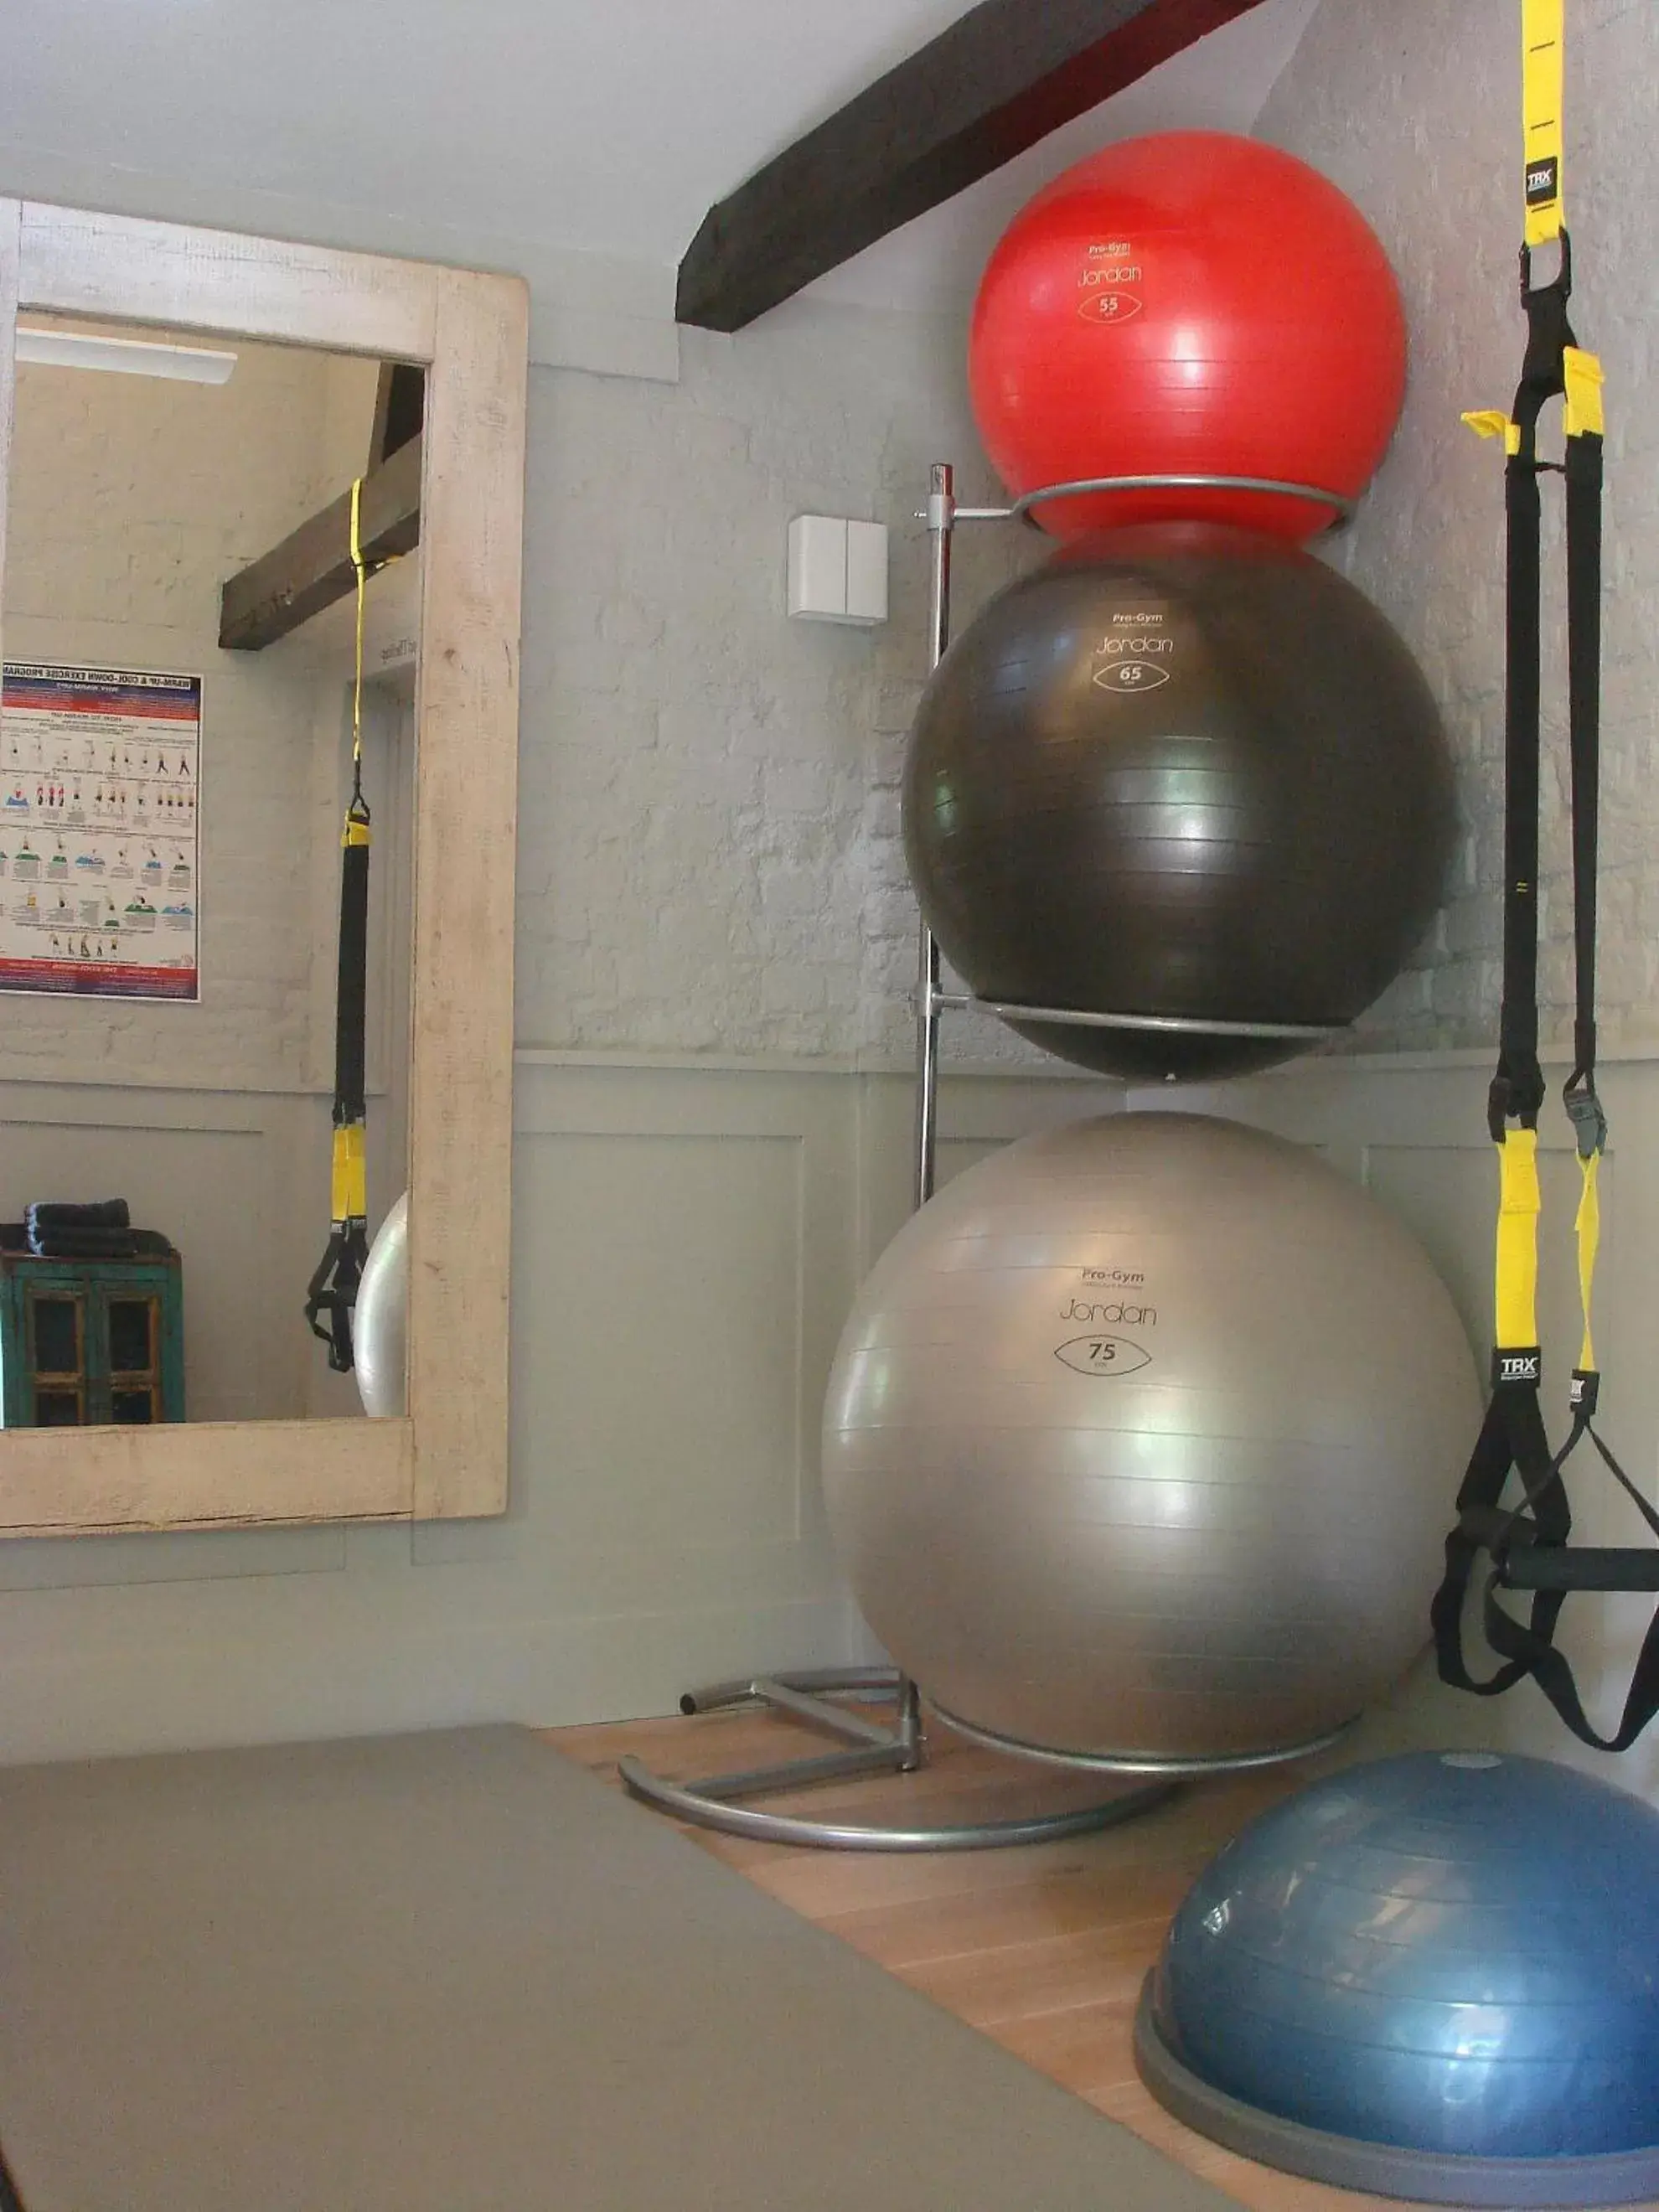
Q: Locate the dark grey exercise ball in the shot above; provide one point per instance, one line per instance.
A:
(1180, 770)
(1435, 1977)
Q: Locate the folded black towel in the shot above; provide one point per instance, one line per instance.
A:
(84, 1243)
(61, 1213)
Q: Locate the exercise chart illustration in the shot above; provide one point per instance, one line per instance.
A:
(99, 781)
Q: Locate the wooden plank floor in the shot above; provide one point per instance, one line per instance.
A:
(1043, 1948)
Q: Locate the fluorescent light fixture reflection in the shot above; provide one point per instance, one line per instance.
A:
(124, 356)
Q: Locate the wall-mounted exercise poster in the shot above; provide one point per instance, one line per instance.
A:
(98, 843)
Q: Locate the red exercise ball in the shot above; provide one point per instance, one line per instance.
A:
(1190, 304)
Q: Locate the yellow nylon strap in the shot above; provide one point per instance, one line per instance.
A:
(356, 828)
(1542, 34)
(362, 585)
(350, 1178)
(1493, 423)
(1582, 414)
(1584, 380)
(1519, 1204)
(1588, 1223)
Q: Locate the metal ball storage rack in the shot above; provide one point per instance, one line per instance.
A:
(812, 1696)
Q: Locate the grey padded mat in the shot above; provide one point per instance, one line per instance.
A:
(453, 1973)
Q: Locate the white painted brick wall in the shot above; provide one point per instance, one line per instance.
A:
(132, 499)
(1413, 108)
(708, 848)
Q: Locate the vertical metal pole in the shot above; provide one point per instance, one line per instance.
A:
(912, 1743)
(941, 520)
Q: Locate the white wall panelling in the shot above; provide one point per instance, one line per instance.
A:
(686, 1244)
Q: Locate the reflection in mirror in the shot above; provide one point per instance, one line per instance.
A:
(171, 811)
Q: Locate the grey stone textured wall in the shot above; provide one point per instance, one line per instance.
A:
(1414, 109)
(708, 846)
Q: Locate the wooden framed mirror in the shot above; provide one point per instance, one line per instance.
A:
(447, 1456)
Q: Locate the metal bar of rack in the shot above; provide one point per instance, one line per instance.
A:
(809, 1696)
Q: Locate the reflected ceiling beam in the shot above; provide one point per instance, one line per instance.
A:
(399, 409)
(1005, 76)
(312, 568)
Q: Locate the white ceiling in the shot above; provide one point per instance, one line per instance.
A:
(604, 127)
(1220, 84)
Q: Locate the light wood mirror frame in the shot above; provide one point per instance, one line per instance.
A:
(448, 1457)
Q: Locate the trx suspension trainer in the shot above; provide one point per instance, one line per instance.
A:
(1526, 1542)
(333, 1288)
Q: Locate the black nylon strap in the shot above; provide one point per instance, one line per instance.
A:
(351, 992)
(1534, 1652)
(1528, 1543)
(1584, 502)
(1529, 1554)
(331, 1293)
(1517, 1088)
(1512, 1439)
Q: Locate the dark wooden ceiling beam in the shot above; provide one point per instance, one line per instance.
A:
(399, 409)
(1001, 78)
(312, 568)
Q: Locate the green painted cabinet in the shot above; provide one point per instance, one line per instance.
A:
(85, 1341)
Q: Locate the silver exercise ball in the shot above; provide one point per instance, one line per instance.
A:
(380, 1323)
(1142, 1439)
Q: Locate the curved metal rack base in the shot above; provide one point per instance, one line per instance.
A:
(874, 1747)
(1135, 1763)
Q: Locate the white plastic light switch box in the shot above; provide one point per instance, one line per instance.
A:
(838, 569)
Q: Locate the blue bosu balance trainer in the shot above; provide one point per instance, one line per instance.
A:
(1435, 1977)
